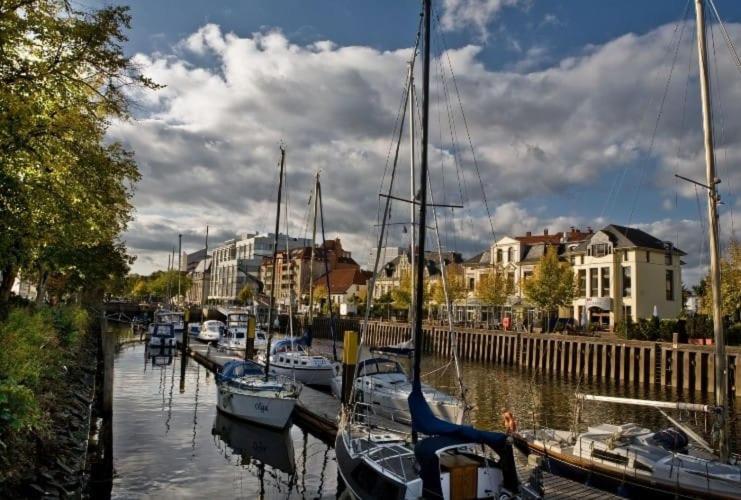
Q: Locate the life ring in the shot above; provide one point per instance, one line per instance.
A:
(510, 424)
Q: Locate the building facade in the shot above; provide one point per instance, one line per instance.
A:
(200, 282)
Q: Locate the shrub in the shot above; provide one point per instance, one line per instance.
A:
(733, 334)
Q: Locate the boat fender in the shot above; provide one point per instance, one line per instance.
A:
(510, 424)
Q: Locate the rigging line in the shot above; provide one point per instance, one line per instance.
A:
(462, 186)
(729, 42)
(402, 103)
(658, 120)
(620, 180)
(332, 328)
(704, 259)
(448, 303)
(288, 260)
(465, 124)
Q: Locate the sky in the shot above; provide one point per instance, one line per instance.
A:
(543, 115)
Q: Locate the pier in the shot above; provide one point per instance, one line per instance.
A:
(685, 367)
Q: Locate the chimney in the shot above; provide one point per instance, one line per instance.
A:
(545, 232)
(528, 233)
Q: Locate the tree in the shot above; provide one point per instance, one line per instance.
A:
(730, 283)
(456, 285)
(552, 285)
(64, 189)
(401, 296)
(320, 297)
(246, 295)
(494, 287)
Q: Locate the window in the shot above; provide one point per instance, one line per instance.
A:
(648, 256)
(605, 282)
(510, 254)
(593, 282)
(527, 275)
(573, 260)
(582, 283)
(499, 255)
(470, 283)
(668, 257)
(625, 256)
(670, 285)
(599, 249)
(581, 259)
(627, 281)
(628, 313)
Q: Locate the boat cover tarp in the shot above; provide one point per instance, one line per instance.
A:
(284, 345)
(425, 422)
(367, 366)
(672, 439)
(237, 368)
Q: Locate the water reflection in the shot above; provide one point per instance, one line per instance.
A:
(171, 443)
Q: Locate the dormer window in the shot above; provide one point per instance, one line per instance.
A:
(600, 249)
(510, 254)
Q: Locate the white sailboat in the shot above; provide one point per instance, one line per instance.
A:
(211, 331)
(293, 357)
(247, 390)
(439, 459)
(638, 461)
(235, 333)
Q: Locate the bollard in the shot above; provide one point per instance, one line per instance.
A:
(249, 341)
(349, 360)
(185, 339)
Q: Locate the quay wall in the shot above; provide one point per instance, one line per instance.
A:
(686, 367)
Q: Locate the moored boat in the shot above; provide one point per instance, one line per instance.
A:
(211, 331)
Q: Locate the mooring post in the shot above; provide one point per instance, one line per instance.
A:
(185, 339)
(108, 344)
(349, 360)
(249, 342)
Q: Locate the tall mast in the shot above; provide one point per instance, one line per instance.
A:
(180, 260)
(419, 286)
(326, 268)
(203, 278)
(412, 193)
(275, 261)
(311, 263)
(721, 370)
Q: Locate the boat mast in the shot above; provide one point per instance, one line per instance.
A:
(412, 193)
(721, 371)
(311, 263)
(275, 260)
(203, 278)
(419, 286)
(326, 267)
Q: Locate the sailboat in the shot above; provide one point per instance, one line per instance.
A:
(438, 459)
(292, 357)
(638, 461)
(246, 389)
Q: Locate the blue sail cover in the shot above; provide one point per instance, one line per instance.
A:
(425, 422)
(284, 345)
(237, 368)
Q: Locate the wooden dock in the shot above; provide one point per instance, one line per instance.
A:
(319, 412)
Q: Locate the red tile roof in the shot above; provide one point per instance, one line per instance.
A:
(342, 278)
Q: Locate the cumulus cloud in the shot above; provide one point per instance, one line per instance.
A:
(477, 14)
(207, 144)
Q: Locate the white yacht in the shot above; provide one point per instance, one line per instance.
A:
(291, 358)
(211, 331)
(165, 316)
(245, 392)
(635, 461)
(235, 333)
(383, 385)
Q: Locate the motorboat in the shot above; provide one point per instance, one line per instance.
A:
(165, 316)
(161, 356)
(194, 329)
(292, 358)
(235, 333)
(635, 461)
(211, 331)
(384, 387)
(268, 446)
(162, 335)
(244, 391)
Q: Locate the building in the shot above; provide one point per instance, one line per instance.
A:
(200, 278)
(346, 284)
(236, 264)
(387, 255)
(390, 276)
(189, 261)
(620, 272)
(297, 272)
(624, 272)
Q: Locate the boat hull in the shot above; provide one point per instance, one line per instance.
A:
(260, 407)
(362, 480)
(321, 377)
(625, 485)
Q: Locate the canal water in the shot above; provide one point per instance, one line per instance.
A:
(169, 440)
